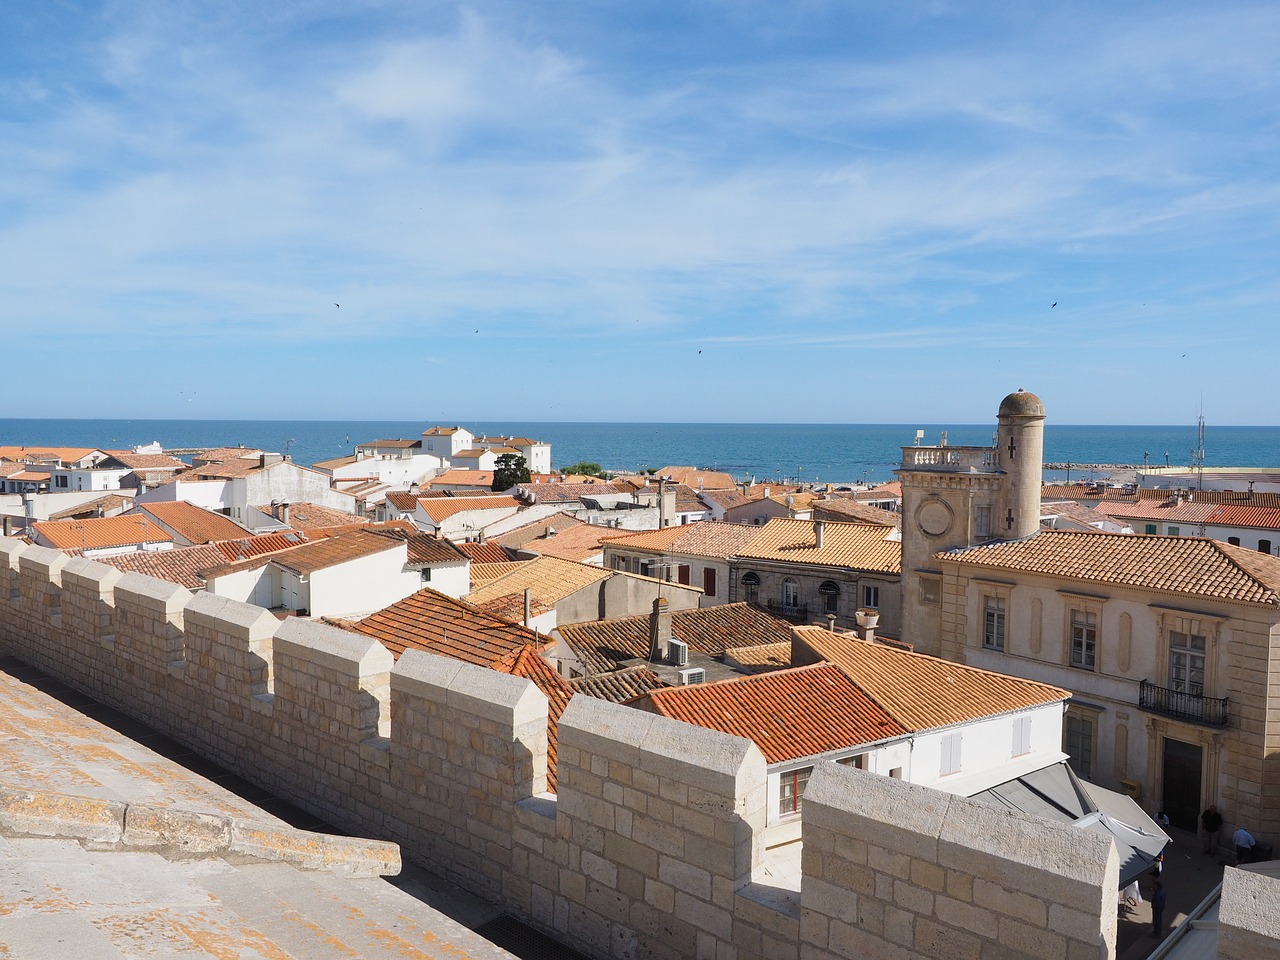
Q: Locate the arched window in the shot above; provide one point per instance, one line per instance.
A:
(751, 587)
(790, 593)
(830, 593)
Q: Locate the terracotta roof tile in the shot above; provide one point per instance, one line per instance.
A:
(181, 565)
(618, 686)
(440, 509)
(760, 658)
(314, 555)
(580, 542)
(98, 533)
(485, 572)
(529, 663)
(191, 523)
(488, 552)
(523, 534)
(460, 477)
(605, 644)
(60, 455)
(431, 621)
(922, 692)
(697, 477)
(111, 504)
(704, 538)
(403, 501)
(853, 511)
(789, 714)
(304, 516)
(549, 580)
(1186, 565)
(424, 549)
(568, 492)
(861, 546)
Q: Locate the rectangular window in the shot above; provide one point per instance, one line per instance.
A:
(871, 596)
(859, 761)
(60, 480)
(1150, 528)
(709, 581)
(930, 590)
(426, 574)
(1084, 639)
(1175, 531)
(1264, 546)
(950, 754)
(1186, 663)
(993, 623)
(982, 522)
(791, 789)
(1078, 734)
(790, 594)
(1021, 736)
(682, 574)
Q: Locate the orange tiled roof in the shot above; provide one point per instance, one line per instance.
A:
(530, 531)
(463, 478)
(486, 571)
(246, 547)
(335, 463)
(705, 538)
(439, 624)
(98, 533)
(110, 504)
(145, 461)
(440, 509)
(556, 492)
(62, 455)
(697, 477)
(403, 501)
(314, 555)
(548, 579)
(618, 686)
(424, 549)
(604, 644)
(181, 565)
(861, 546)
(191, 523)
(854, 512)
(1186, 565)
(579, 542)
(789, 714)
(762, 657)
(922, 692)
(306, 516)
(881, 491)
(489, 552)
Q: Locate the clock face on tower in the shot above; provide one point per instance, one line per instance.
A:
(934, 517)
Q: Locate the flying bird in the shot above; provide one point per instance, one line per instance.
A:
(1052, 305)
(338, 305)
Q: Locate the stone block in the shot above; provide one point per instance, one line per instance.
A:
(42, 814)
(166, 600)
(1248, 921)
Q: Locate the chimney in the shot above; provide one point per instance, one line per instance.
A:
(284, 512)
(868, 619)
(818, 528)
(528, 607)
(660, 630)
(480, 538)
(831, 622)
(766, 493)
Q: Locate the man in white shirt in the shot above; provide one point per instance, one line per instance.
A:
(1244, 845)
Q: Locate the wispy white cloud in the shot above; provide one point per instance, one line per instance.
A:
(193, 177)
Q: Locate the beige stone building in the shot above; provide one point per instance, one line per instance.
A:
(1168, 643)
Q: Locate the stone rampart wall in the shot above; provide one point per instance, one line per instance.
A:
(652, 847)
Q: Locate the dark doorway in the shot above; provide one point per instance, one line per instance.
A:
(1182, 783)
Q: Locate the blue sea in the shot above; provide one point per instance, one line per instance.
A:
(810, 452)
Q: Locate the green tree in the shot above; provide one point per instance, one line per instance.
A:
(585, 468)
(510, 469)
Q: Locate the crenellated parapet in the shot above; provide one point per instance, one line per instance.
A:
(652, 846)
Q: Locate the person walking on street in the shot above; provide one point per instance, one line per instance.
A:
(1157, 909)
(1244, 845)
(1210, 824)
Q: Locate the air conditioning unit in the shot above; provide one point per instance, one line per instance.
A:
(678, 652)
(691, 675)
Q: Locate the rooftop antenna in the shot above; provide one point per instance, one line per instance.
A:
(1198, 454)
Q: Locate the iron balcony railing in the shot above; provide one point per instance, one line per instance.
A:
(1184, 706)
(794, 611)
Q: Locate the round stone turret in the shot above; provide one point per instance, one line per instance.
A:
(1021, 404)
(1020, 439)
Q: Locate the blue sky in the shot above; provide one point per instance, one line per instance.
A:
(849, 212)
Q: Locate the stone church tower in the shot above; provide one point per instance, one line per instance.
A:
(964, 496)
